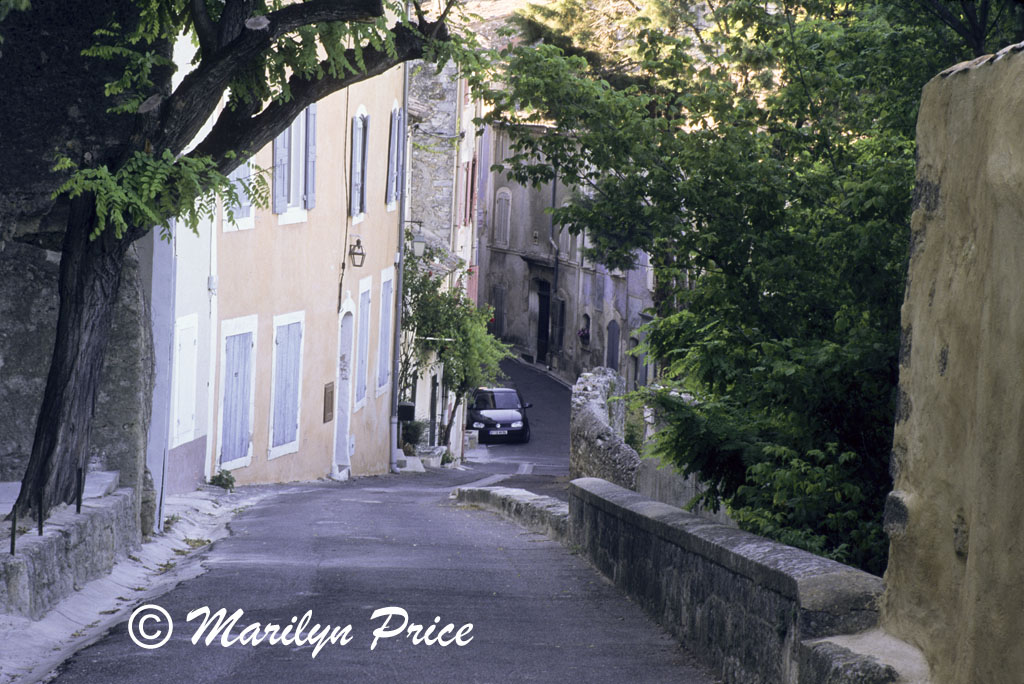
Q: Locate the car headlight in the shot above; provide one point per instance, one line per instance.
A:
(477, 425)
(517, 424)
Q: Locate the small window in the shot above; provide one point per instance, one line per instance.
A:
(502, 216)
(360, 146)
(295, 168)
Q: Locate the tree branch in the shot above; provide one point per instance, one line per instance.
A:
(238, 132)
(205, 29)
(185, 112)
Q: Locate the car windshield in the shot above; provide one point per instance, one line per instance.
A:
(496, 400)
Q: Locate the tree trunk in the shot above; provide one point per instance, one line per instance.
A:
(451, 420)
(90, 275)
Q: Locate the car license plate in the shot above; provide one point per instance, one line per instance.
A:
(499, 432)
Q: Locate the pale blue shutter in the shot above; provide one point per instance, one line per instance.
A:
(281, 173)
(400, 171)
(239, 177)
(364, 344)
(286, 383)
(356, 189)
(366, 146)
(236, 431)
(390, 193)
(383, 362)
(311, 156)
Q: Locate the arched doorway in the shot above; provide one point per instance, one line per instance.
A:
(342, 413)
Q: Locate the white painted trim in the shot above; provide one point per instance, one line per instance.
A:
(188, 321)
(293, 215)
(348, 308)
(211, 397)
(365, 285)
(293, 446)
(385, 275)
(229, 327)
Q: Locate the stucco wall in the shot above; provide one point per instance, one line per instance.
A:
(956, 517)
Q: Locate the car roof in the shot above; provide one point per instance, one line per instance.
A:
(496, 389)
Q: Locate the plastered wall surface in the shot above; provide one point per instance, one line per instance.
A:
(956, 517)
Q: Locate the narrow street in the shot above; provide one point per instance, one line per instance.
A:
(344, 550)
(542, 465)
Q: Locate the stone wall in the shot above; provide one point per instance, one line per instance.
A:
(748, 606)
(28, 318)
(956, 517)
(596, 426)
(74, 549)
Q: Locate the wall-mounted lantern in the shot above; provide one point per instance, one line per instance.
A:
(356, 253)
(419, 245)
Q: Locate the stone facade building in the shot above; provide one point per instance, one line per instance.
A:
(555, 306)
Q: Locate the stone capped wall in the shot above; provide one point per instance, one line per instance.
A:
(956, 517)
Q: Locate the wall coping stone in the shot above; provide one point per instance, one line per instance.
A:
(833, 598)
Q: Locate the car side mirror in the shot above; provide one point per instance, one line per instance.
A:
(527, 405)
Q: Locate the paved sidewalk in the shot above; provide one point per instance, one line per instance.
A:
(344, 550)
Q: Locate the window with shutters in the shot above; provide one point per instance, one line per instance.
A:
(239, 216)
(237, 391)
(286, 384)
(363, 340)
(396, 158)
(502, 216)
(294, 186)
(357, 172)
(384, 341)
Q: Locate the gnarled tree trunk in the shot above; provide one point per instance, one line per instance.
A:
(90, 275)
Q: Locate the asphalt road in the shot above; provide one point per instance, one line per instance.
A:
(542, 465)
(344, 550)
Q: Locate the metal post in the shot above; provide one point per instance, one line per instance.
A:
(78, 491)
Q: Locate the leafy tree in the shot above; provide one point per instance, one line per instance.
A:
(96, 145)
(763, 155)
(443, 326)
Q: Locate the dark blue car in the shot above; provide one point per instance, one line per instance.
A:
(498, 413)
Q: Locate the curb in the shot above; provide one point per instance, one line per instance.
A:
(32, 649)
(541, 514)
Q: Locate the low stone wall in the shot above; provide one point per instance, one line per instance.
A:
(596, 427)
(74, 549)
(743, 603)
(541, 514)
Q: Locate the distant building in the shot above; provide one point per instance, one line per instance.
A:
(555, 306)
(443, 176)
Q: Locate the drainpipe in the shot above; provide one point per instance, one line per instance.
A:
(554, 246)
(397, 342)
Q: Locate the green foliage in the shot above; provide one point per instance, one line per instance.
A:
(412, 431)
(8, 6)
(763, 156)
(444, 327)
(149, 190)
(224, 479)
